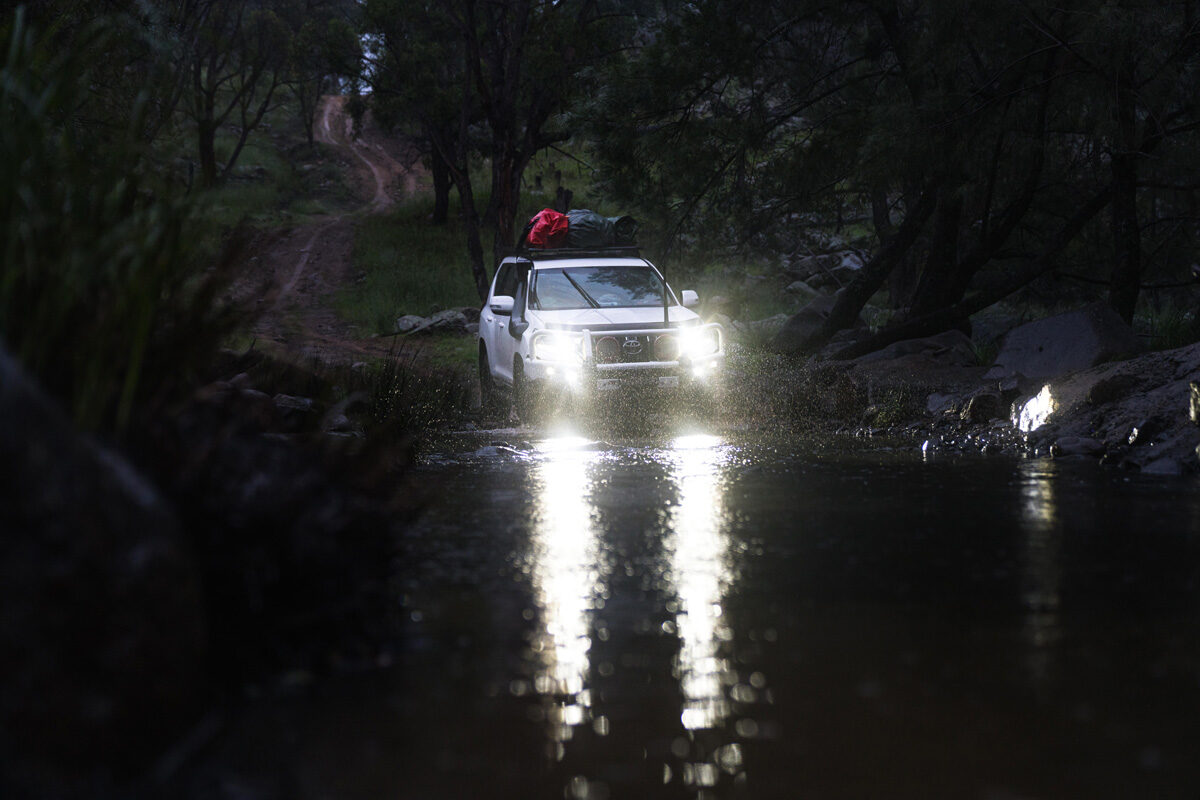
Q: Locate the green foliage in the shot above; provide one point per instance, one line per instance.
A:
(762, 126)
(405, 397)
(1170, 325)
(407, 267)
(92, 268)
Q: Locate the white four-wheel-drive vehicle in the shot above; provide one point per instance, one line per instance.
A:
(578, 322)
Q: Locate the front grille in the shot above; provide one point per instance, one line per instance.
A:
(621, 348)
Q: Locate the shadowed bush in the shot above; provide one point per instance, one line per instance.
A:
(97, 298)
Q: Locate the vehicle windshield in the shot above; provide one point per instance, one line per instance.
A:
(595, 287)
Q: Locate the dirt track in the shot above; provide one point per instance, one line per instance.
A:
(291, 277)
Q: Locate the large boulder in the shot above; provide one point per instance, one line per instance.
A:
(451, 320)
(1138, 409)
(794, 333)
(102, 638)
(952, 348)
(1054, 346)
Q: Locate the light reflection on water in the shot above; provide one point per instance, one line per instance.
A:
(568, 578)
(565, 579)
(702, 573)
(1041, 575)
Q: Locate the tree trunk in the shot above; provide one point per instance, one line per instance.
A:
(505, 190)
(952, 316)
(940, 284)
(1127, 268)
(441, 187)
(474, 243)
(1126, 278)
(874, 272)
(206, 139)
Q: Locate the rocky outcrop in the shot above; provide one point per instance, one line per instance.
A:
(1140, 413)
(452, 320)
(800, 327)
(102, 635)
(826, 271)
(1055, 346)
(1139, 409)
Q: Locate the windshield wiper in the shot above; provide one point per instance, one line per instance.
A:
(579, 289)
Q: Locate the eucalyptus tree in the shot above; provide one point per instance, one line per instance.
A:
(323, 45)
(236, 62)
(484, 80)
(419, 75)
(986, 140)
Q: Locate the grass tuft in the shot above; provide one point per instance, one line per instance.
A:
(407, 266)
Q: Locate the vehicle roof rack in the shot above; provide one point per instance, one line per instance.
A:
(546, 253)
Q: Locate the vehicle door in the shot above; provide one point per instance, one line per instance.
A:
(493, 325)
(508, 344)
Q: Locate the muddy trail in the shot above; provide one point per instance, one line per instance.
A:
(289, 278)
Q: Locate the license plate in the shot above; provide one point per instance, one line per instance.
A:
(639, 381)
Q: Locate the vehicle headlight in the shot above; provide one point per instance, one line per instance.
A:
(557, 347)
(699, 343)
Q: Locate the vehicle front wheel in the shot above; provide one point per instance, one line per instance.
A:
(524, 395)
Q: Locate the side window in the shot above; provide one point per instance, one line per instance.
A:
(506, 280)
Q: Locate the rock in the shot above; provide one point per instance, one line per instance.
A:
(451, 320)
(827, 270)
(801, 288)
(982, 407)
(802, 325)
(473, 328)
(1078, 446)
(939, 403)
(255, 407)
(1013, 386)
(102, 635)
(294, 412)
(338, 418)
(1052, 347)
(950, 347)
(727, 324)
(1135, 407)
(851, 261)
(215, 392)
(804, 267)
(1194, 402)
(338, 423)
(766, 328)
(721, 305)
(409, 322)
(470, 312)
(287, 402)
(1113, 388)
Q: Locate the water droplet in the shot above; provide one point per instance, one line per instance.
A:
(746, 728)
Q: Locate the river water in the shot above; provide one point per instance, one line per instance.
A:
(704, 614)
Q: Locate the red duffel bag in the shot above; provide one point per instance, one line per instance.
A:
(547, 228)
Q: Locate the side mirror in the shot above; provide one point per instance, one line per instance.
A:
(690, 298)
(502, 304)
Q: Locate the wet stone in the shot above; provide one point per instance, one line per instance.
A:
(1078, 446)
(982, 408)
